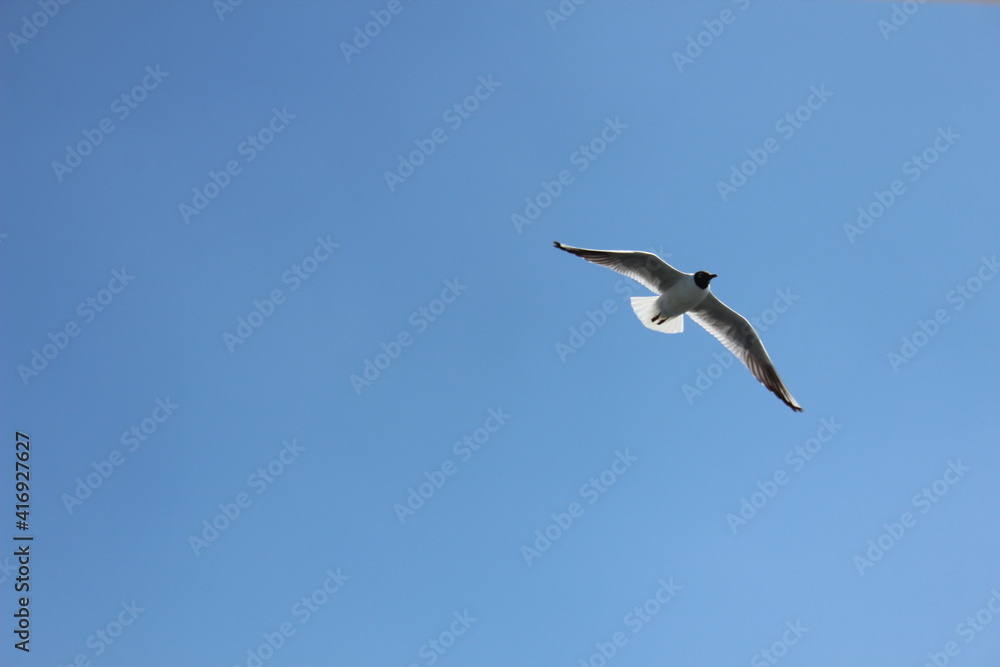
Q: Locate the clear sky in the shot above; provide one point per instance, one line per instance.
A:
(306, 383)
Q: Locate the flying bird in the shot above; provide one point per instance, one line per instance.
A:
(679, 293)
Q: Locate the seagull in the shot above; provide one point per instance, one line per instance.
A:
(679, 293)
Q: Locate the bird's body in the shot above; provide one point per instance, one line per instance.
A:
(680, 293)
(685, 295)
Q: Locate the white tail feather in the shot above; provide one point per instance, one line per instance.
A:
(645, 309)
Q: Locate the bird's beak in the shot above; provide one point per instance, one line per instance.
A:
(713, 275)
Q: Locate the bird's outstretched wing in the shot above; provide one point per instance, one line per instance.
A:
(733, 331)
(644, 267)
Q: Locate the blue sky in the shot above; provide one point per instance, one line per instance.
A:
(306, 383)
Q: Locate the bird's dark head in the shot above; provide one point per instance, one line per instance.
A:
(703, 278)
